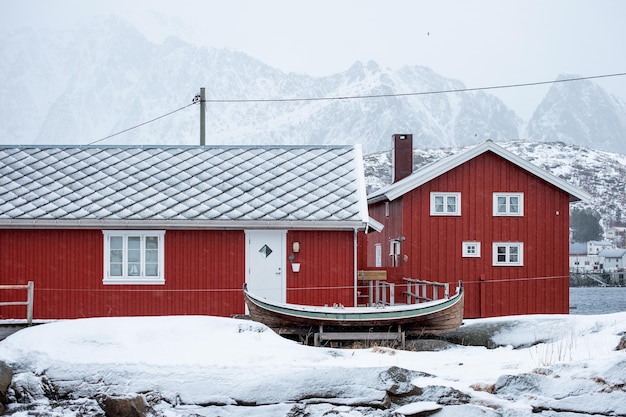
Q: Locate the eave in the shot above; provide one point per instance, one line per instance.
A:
(179, 224)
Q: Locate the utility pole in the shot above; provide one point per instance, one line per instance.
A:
(202, 115)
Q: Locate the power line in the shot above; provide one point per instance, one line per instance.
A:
(144, 123)
(423, 93)
(197, 100)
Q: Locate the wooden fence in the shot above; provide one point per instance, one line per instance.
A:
(30, 289)
(421, 290)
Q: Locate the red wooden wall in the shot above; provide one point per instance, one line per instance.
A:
(327, 268)
(433, 245)
(204, 274)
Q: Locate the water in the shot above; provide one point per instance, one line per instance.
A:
(597, 300)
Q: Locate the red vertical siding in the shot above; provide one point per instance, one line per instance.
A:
(434, 243)
(392, 230)
(327, 267)
(204, 274)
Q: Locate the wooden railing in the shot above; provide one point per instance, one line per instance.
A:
(376, 289)
(421, 289)
(30, 289)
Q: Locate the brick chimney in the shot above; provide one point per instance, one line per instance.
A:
(402, 157)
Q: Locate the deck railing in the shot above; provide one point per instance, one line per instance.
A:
(417, 290)
(30, 289)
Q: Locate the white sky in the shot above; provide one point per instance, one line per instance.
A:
(481, 43)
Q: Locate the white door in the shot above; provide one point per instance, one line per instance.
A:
(265, 264)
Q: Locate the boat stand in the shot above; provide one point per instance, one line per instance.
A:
(367, 336)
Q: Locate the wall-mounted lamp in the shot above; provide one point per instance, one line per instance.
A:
(296, 247)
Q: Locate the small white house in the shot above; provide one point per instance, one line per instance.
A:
(613, 259)
(580, 261)
(616, 234)
(594, 247)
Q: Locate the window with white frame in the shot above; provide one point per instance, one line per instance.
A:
(379, 255)
(445, 204)
(471, 249)
(508, 204)
(508, 254)
(133, 257)
(395, 249)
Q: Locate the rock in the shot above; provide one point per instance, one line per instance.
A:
(27, 388)
(423, 408)
(123, 406)
(514, 386)
(622, 343)
(398, 381)
(6, 375)
(478, 334)
(427, 345)
(444, 395)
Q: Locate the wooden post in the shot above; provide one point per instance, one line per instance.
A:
(202, 115)
(29, 307)
(483, 296)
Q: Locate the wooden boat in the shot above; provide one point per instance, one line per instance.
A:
(430, 317)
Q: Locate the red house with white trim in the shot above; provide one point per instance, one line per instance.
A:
(160, 230)
(484, 216)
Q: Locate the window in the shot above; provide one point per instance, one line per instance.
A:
(471, 249)
(133, 257)
(379, 255)
(508, 204)
(394, 252)
(445, 204)
(508, 254)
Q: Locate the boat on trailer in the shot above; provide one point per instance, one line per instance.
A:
(429, 317)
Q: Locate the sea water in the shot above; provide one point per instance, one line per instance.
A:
(597, 300)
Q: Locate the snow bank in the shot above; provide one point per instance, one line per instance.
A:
(195, 364)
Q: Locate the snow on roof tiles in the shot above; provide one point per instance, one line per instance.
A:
(124, 183)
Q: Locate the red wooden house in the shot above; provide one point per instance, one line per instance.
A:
(157, 230)
(484, 216)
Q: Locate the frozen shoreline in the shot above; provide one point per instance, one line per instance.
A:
(190, 365)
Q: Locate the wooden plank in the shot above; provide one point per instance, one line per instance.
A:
(371, 275)
(13, 287)
(14, 303)
(359, 336)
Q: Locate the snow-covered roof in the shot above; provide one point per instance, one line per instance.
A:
(612, 253)
(440, 167)
(182, 186)
(577, 248)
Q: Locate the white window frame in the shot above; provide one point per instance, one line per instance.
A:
(507, 206)
(141, 278)
(471, 249)
(395, 249)
(511, 258)
(379, 255)
(434, 196)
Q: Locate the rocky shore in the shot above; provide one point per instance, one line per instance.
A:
(555, 389)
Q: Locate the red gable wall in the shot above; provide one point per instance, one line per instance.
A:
(433, 246)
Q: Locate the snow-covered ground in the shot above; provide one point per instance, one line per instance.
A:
(210, 366)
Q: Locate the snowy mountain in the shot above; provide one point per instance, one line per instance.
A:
(105, 77)
(580, 113)
(599, 173)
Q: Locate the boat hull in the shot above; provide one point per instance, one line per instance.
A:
(433, 317)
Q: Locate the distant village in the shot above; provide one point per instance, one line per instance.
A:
(600, 263)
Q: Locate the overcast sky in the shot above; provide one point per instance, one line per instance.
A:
(481, 43)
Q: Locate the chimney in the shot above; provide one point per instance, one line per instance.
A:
(402, 157)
